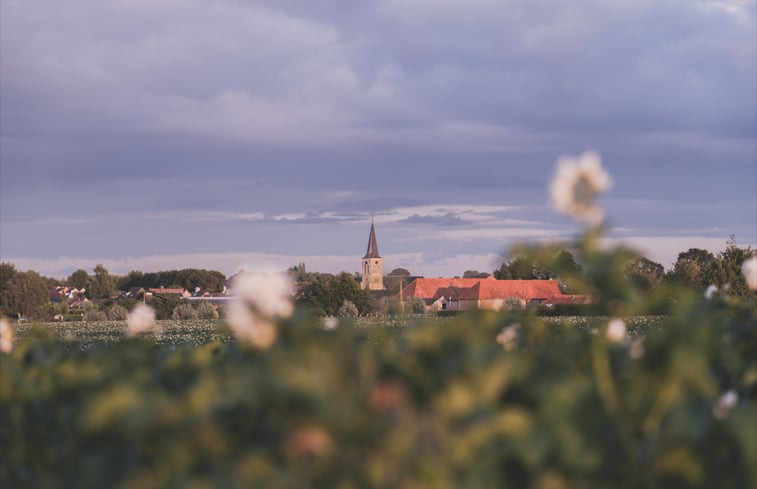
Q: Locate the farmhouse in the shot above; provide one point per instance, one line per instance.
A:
(458, 294)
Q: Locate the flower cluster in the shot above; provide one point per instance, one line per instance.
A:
(261, 298)
(576, 185)
(141, 320)
(749, 269)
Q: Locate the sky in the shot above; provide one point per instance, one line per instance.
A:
(165, 134)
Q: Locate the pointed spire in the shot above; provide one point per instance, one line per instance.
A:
(372, 251)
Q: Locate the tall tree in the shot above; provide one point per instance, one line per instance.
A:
(78, 279)
(102, 284)
(695, 267)
(645, 274)
(730, 262)
(26, 295)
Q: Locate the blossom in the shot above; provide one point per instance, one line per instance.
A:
(329, 323)
(249, 328)
(577, 183)
(725, 403)
(260, 298)
(749, 270)
(710, 292)
(6, 336)
(141, 320)
(616, 330)
(268, 292)
(508, 337)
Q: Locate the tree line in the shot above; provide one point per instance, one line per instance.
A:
(25, 293)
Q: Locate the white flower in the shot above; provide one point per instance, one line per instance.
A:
(268, 292)
(260, 298)
(577, 183)
(508, 337)
(616, 330)
(141, 320)
(710, 292)
(248, 327)
(725, 403)
(749, 270)
(6, 336)
(329, 323)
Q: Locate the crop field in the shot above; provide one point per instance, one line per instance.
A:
(172, 332)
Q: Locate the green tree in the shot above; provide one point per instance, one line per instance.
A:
(474, 274)
(79, 279)
(729, 268)
(400, 272)
(25, 295)
(645, 274)
(7, 274)
(164, 304)
(503, 272)
(102, 285)
(696, 267)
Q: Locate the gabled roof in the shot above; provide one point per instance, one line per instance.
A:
(372, 251)
(481, 289)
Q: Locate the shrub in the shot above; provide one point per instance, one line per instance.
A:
(347, 310)
(184, 311)
(117, 313)
(206, 310)
(415, 305)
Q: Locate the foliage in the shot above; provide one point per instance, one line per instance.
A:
(347, 310)
(538, 264)
(101, 285)
(415, 305)
(326, 293)
(7, 273)
(474, 274)
(695, 267)
(389, 306)
(164, 304)
(205, 310)
(432, 405)
(188, 278)
(400, 272)
(94, 315)
(645, 274)
(25, 294)
(79, 279)
(730, 275)
(117, 312)
(184, 311)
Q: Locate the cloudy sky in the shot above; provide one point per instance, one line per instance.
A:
(159, 134)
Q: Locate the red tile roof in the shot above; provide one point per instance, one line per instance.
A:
(481, 289)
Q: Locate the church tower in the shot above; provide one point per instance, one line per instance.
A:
(373, 265)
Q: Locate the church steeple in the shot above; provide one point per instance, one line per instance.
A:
(372, 251)
(373, 266)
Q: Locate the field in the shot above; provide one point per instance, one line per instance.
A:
(198, 332)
